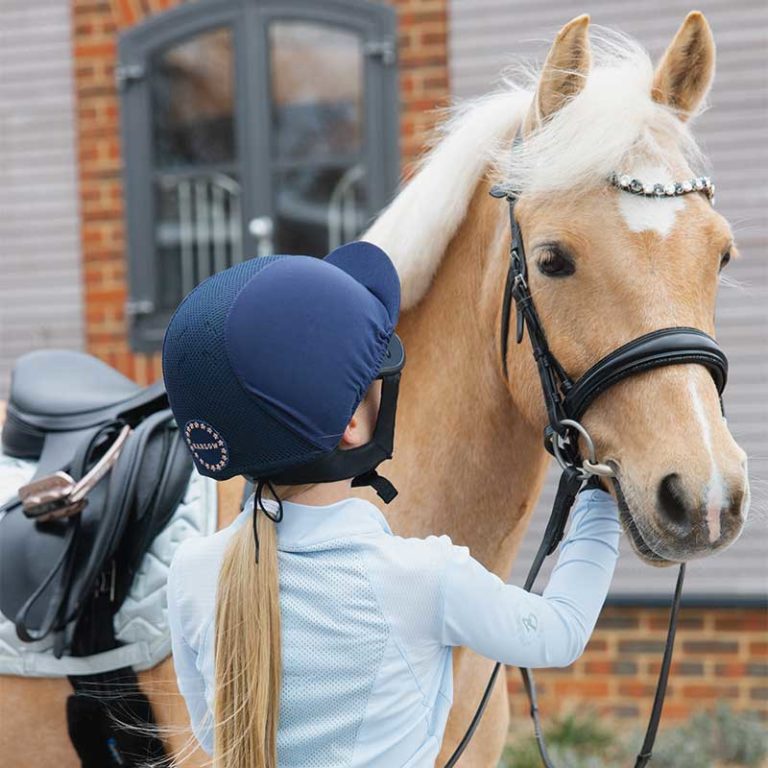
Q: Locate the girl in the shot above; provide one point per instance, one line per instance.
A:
(306, 634)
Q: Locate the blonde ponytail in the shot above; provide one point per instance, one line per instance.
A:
(247, 655)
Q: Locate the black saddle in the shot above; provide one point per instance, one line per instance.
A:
(112, 468)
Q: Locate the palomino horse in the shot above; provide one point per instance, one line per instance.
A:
(604, 267)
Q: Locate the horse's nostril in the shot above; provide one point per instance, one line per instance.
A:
(737, 499)
(672, 500)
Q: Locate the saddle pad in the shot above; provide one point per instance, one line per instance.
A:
(141, 624)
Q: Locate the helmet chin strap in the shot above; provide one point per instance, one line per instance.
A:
(358, 463)
(379, 483)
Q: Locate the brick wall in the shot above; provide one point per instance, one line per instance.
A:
(721, 654)
(96, 23)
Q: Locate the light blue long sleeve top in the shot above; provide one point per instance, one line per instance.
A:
(369, 621)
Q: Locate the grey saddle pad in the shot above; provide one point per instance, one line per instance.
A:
(141, 622)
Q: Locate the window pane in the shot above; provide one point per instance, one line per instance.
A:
(198, 231)
(317, 86)
(192, 90)
(319, 208)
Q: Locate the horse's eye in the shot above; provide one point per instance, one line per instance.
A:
(725, 259)
(556, 262)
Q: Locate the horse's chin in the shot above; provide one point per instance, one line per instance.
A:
(639, 544)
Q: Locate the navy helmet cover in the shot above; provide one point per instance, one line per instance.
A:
(265, 362)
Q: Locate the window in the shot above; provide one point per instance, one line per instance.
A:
(249, 129)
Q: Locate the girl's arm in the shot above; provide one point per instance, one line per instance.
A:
(507, 624)
(188, 677)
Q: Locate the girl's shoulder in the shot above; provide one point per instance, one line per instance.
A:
(193, 576)
(202, 551)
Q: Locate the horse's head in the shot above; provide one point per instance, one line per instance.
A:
(606, 267)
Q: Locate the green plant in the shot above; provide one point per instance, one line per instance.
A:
(718, 739)
(722, 737)
(575, 741)
(743, 739)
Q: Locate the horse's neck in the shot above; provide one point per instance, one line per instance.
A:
(467, 463)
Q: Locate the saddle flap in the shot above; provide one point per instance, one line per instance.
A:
(62, 561)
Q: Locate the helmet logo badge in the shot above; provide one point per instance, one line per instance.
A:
(206, 445)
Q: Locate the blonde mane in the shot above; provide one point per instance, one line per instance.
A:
(612, 122)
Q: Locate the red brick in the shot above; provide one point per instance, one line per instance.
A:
(586, 688)
(681, 668)
(618, 621)
(641, 645)
(743, 622)
(704, 691)
(635, 689)
(734, 669)
(676, 710)
(610, 667)
(95, 50)
(684, 621)
(710, 646)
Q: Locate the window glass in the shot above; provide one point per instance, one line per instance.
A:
(198, 217)
(318, 209)
(317, 134)
(198, 231)
(192, 92)
(317, 86)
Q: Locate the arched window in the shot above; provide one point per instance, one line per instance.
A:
(250, 127)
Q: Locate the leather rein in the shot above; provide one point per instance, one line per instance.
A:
(566, 401)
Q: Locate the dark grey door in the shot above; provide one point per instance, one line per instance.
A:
(251, 128)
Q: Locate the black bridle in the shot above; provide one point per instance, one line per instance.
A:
(566, 401)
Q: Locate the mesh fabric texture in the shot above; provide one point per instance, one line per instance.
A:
(325, 642)
(188, 356)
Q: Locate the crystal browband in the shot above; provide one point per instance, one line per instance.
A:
(672, 189)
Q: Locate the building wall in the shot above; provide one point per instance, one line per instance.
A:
(40, 289)
(422, 48)
(721, 655)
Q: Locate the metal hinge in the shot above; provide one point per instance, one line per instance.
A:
(139, 307)
(125, 74)
(384, 49)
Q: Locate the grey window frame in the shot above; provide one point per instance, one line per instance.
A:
(249, 22)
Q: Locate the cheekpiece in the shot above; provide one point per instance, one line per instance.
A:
(634, 186)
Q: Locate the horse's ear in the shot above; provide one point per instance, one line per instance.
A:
(565, 71)
(685, 72)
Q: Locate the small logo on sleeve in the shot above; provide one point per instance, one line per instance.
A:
(207, 445)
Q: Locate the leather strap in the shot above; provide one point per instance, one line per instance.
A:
(667, 346)
(357, 462)
(62, 567)
(566, 399)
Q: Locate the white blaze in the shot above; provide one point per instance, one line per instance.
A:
(649, 213)
(715, 495)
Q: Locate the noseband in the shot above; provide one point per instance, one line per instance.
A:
(566, 401)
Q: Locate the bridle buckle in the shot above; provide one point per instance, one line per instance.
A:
(587, 467)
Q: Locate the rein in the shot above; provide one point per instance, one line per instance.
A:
(566, 401)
